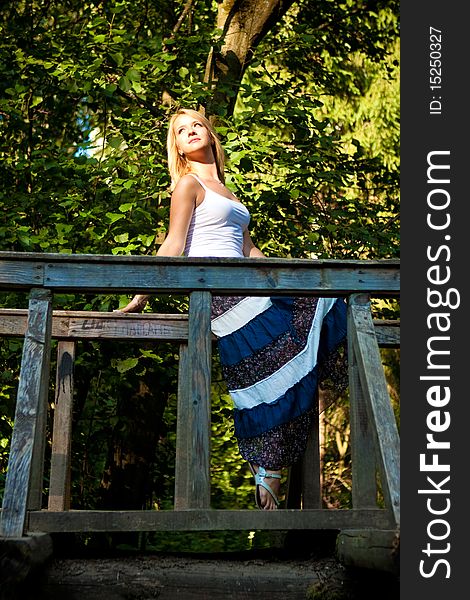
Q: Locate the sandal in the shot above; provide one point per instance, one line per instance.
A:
(260, 476)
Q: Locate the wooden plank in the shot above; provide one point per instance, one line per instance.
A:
(36, 482)
(215, 576)
(387, 333)
(99, 259)
(294, 486)
(304, 476)
(24, 271)
(125, 326)
(380, 412)
(32, 390)
(152, 274)
(98, 325)
(238, 278)
(311, 481)
(171, 327)
(183, 432)
(13, 322)
(59, 487)
(369, 549)
(206, 520)
(363, 461)
(198, 424)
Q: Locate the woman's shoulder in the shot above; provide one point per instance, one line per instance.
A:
(188, 182)
(188, 189)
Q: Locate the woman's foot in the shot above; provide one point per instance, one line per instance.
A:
(268, 485)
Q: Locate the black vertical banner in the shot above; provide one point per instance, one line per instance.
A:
(435, 402)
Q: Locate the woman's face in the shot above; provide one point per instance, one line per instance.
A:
(191, 134)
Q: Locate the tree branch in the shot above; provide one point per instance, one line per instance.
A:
(181, 18)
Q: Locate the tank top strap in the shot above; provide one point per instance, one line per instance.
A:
(198, 179)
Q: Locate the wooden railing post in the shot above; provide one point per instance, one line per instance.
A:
(192, 487)
(59, 488)
(26, 461)
(364, 469)
(304, 477)
(380, 418)
(182, 484)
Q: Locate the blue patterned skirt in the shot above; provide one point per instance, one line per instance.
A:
(275, 353)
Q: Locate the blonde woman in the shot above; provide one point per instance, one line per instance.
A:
(274, 351)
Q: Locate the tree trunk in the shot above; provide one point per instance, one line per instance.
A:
(244, 23)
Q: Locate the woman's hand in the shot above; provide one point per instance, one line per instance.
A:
(136, 305)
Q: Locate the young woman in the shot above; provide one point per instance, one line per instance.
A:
(274, 351)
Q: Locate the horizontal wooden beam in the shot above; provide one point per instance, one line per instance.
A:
(152, 274)
(79, 325)
(205, 520)
(387, 333)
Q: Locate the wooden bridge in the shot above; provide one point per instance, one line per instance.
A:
(374, 434)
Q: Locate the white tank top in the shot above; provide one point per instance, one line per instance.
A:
(217, 226)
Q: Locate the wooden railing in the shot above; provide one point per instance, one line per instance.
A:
(374, 435)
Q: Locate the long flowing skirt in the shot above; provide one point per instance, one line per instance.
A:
(275, 353)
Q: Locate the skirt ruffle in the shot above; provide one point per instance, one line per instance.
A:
(275, 352)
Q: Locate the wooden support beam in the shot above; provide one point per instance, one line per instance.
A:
(28, 439)
(311, 480)
(183, 431)
(379, 408)
(198, 420)
(363, 461)
(59, 486)
(206, 520)
(80, 325)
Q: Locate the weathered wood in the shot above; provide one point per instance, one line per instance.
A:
(206, 520)
(183, 432)
(198, 422)
(181, 577)
(304, 477)
(387, 333)
(369, 549)
(294, 486)
(36, 480)
(363, 461)
(172, 327)
(32, 390)
(311, 480)
(15, 273)
(59, 486)
(380, 412)
(99, 325)
(105, 273)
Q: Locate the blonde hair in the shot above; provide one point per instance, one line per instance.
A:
(178, 164)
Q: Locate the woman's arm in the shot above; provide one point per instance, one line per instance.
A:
(249, 248)
(183, 201)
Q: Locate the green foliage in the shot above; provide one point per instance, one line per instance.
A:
(86, 88)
